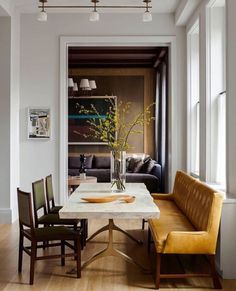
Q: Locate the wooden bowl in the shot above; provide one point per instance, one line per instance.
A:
(110, 198)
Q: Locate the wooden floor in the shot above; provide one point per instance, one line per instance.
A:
(106, 274)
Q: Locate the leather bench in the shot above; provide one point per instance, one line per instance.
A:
(188, 224)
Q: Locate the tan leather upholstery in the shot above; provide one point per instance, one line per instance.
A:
(189, 218)
(171, 219)
(181, 190)
(188, 224)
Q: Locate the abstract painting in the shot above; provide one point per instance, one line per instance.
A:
(78, 125)
(38, 123)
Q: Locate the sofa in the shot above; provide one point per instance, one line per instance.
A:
(188, 224)
(139, 169)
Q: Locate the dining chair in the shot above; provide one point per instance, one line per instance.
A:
(52, 208)
(45, 218)
(44, 235)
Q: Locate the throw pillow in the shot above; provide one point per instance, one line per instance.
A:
(88, 162)
(132, 164)
(138, 165)
(74, 162)
(147, 166)
(102, 162)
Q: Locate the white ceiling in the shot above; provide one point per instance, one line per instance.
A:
(158, 6)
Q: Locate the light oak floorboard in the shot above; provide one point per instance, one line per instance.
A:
(106, 274)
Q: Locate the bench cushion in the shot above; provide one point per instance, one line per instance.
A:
(171, 219)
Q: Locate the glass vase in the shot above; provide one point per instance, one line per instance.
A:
(118, 171)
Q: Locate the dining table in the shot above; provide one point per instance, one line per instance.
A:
(97, 201)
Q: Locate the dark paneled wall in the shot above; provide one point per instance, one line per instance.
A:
(127, 88)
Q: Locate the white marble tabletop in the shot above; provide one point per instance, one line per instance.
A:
(142, 207)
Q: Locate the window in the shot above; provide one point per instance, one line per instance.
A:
(216, 99)
(193, 100)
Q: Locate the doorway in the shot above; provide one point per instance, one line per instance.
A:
(94, 42)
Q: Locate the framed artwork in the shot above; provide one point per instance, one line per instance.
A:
(77, 122)
(39, 123)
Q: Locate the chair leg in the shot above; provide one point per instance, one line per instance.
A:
(78, 257)
(32, 261)
(20, 257)
(143, 224)
(86, 227)
(158, 270)
(75, 245)
(63, 253)
(84, 234)
(215, 278)
(149, 240)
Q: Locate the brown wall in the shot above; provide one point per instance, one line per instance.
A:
(129, 85)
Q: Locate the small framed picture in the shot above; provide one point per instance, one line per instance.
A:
(39, 123)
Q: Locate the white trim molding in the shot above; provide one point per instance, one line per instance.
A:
(65, 42)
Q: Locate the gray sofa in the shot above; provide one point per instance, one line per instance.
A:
(139, 170)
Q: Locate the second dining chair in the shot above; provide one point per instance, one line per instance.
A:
(52, 208)
(46, 219)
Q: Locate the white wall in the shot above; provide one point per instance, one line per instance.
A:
(5, 57)
(14, 107)
(9, 112)
(40, 77)
(231, 100)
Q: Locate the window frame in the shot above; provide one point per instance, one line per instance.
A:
(193, 123)
(212, 99)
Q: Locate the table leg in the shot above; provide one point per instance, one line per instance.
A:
(111, 251)
(113, 226)
(104, 228)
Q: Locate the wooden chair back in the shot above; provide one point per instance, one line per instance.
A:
(25, 209)
(49, 192)
(39, 200)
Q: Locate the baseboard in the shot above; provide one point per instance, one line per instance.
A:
(5, 215)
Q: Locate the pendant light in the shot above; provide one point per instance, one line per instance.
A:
(147, 16)
(42, 15)
(94, 15)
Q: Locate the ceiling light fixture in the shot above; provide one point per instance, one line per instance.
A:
(147, 16)
(94, 15)
(42, 16)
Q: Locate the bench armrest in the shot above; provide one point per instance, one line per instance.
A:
(189, 242)
(162, 196)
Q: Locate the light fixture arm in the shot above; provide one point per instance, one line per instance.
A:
(94, 15)
(95, 5)
(43, 5)
(92, 6)
(147, 4)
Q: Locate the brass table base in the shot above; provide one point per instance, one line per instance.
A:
(110, 250)
(111, 226)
